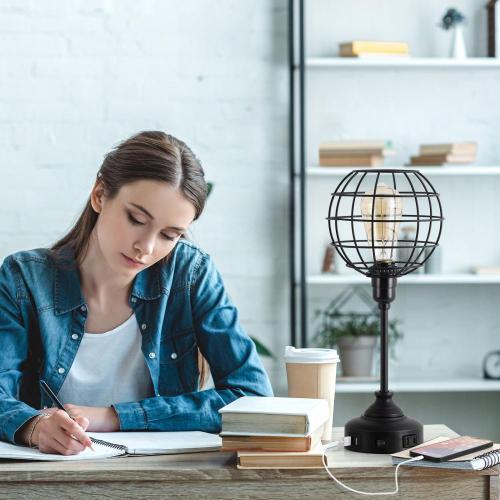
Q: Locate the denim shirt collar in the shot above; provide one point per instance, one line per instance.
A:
(148, 284)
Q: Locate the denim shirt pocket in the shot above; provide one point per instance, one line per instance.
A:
(178, 363)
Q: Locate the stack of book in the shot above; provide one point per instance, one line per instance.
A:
(272, 432)
(354, 153)
(365, 48)
(441, 154)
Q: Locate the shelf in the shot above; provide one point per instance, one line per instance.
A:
(469, 384)
(410, 62)
(410, 279)
(434, 171)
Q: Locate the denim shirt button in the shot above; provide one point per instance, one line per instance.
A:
(152, 355)
(61, 370)
(133, 299)
(83, 308)
(173, 355)
(144, 326)
(74, 336)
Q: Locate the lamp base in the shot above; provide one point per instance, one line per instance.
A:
(383, 428)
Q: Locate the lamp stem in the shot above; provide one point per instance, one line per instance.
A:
(384, 348)
(384, 292)
(383, 427)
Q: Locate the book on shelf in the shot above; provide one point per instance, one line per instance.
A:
(473, 461)
(311, 459)
(451, 148)
(379, 55)
(351, 161)
(272, 443)
(354, 153)
(264, 416)
(356, 47)
(441, 159)
(486, 270)
(358, 145)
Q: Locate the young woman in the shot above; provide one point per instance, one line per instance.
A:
(121, 315)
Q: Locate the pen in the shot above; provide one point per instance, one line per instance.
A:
(52, 396)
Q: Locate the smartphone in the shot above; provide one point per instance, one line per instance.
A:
(451, 448)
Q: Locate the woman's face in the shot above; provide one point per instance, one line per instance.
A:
(142, 223)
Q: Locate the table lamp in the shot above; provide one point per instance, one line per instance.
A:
(364, 217)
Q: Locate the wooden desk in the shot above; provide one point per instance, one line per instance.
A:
(214, 475)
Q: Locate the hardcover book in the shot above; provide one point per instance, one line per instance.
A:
(253, 415)
(311, 459)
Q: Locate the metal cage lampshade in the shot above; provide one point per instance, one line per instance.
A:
(366, 213)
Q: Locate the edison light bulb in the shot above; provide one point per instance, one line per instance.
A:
(383, 232)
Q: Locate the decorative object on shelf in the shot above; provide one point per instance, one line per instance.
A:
(491, 365)
(354, 153)
(493, 28)
(433, 265)
(365, 212)
(450, 153)
(360, 48)
(328, 265)
(357, 354)
(453, 19)
(355, 334)
(408, 235)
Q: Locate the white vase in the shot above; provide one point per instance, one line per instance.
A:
(458, 50)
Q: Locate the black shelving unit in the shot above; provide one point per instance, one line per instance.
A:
(298, 285)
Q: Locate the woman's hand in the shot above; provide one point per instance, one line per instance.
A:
(53, 434)
(100, 419)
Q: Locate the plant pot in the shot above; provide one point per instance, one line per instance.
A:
(356, 355)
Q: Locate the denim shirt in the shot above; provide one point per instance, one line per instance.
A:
(180, 305)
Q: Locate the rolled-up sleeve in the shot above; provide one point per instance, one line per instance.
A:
(234, 364)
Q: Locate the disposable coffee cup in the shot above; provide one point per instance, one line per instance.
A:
(311, 373)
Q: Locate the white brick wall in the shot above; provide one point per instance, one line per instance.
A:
(76, 77)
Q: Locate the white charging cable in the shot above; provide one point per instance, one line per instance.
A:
(340, 483)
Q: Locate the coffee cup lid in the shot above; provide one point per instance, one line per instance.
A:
(310, 355)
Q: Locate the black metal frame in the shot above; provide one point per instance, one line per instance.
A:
(300, 285)
(291, 202)
(350, 249)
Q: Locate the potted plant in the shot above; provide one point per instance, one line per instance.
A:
(355, 335)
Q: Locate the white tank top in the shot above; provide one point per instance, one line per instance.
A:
(108, 368)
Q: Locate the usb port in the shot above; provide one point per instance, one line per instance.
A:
(409, 440)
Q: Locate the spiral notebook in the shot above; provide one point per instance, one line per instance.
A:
(474, 461)
(116, 444)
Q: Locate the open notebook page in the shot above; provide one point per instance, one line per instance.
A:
(12, 451)
(156, 443)
(136, 443)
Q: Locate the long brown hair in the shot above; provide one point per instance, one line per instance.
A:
(151, 155)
